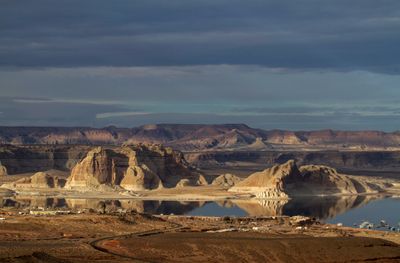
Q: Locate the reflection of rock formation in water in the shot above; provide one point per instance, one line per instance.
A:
(141, 206)
(262, 207)
(318, 207)
(7, 202)
(33, 202)
(324, 208)
(225, 203)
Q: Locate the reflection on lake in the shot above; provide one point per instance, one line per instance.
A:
(347, 210)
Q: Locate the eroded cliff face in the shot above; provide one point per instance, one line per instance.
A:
(136, 167)
(285, 180)
(268, 183)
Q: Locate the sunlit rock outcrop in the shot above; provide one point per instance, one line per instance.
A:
(137, 167)
(282, 181)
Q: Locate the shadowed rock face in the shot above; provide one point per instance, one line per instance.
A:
(359, 160)
(36, 158)
(133, 168)
(286, 179)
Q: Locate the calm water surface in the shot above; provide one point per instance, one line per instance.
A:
(350, 211)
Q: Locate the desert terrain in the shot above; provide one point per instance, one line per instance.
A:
(124, 201)
(132, 237)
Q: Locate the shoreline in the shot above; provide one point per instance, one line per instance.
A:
(197, 193)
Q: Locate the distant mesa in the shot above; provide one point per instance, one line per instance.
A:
(191, 137)
(286, 180)
(150, 127)
(139, 167)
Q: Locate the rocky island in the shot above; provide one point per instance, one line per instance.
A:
(282, 181)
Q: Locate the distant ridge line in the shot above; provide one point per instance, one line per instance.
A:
(201, 136)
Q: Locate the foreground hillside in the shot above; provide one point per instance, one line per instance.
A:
(191, 137)
(131, 237)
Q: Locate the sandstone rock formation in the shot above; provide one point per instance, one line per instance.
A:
(323, 180)
(282, 181)
(226, 180)
(44, 180)
(268, 183)
(3, 170)
(133, 168)
(40, 180)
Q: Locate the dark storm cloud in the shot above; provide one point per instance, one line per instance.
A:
(339, 35)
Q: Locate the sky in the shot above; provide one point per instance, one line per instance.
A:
(271, 64)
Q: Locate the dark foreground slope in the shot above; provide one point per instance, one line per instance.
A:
(130, 237)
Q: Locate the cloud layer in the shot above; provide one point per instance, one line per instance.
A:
(310, 34)
(308, 64)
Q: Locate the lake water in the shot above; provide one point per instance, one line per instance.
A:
(350, 211)
(330, 210)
